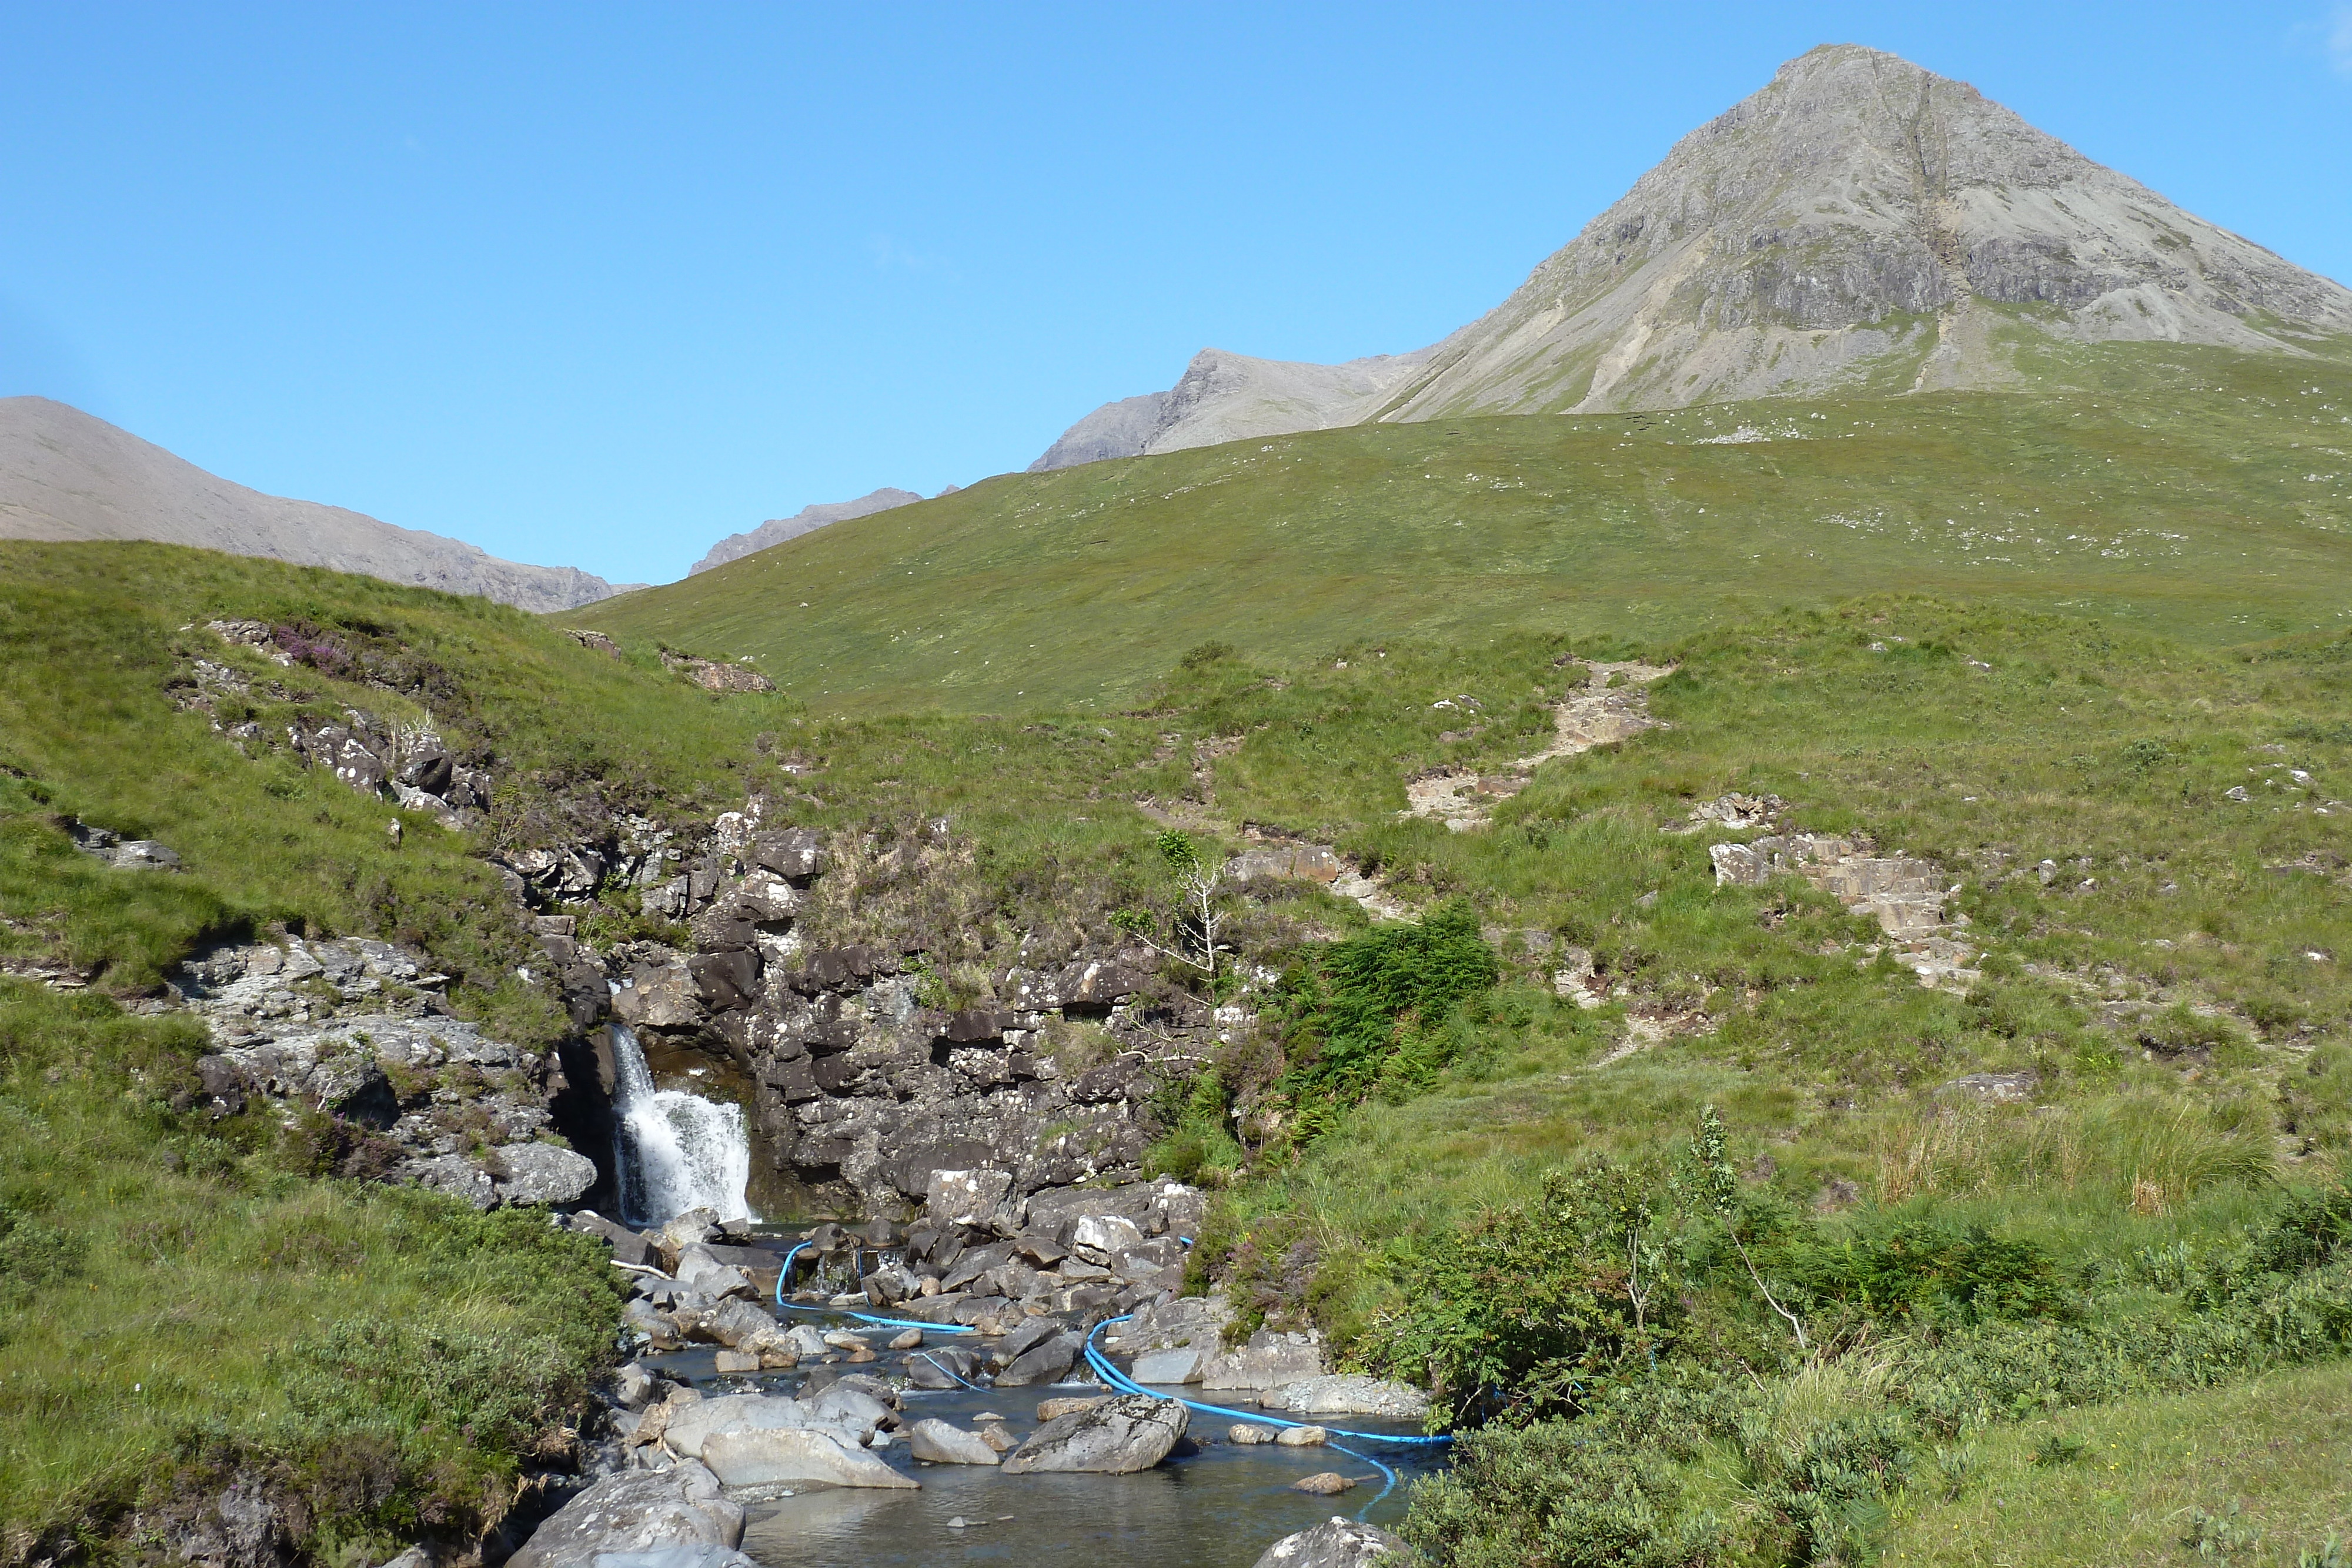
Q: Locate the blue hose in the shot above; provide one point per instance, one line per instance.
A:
(1119, 1380)
(861, 1317)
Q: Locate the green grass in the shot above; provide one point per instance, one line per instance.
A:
(179, 1307)
(2278, 1448)
(2082, 708)
(2157, 486)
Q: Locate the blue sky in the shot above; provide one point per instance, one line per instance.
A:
(596, 285)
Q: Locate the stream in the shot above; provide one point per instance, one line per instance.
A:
(1214, 1504)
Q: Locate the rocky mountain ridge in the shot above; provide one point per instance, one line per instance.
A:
(776, 530)
(1859, 222)
(67, 475)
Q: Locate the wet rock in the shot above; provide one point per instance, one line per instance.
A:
(1325, 1483)
(943, 1366)
(1302, 1436)
(1338, 1543)
(1119, 1437)
(939, 1443)
(852, 1409)
(776, 1457)
(1044, 1362)
(730, 1361)
(634, 1512)
(1348, 1395)
(1248, 1434)
(1054, 1409)
(998, 1438)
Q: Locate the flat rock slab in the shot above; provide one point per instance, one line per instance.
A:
(1115, 1438)
(1338, 1543)
(1347, 1395)
(691, 1427)
(1167, 1366)
(750, 1460)
(941, 1443)
(634, 1512)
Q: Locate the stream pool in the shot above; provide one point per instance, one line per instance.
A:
(1219, 1506)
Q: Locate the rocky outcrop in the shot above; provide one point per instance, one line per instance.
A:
(1118, 1436)
(358, 1032)
(1904, 894)
(66, 474)
(712, 676)
(1348, 1395)
(131, 854)
(1271, 1359)
(867, 1085)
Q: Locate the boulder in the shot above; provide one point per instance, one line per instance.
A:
(1338, 1543)
(942, 1367)
(1324, 1483)
(1042, 1362)
(1187, 1320)
(938, 1443)
(1344, 1394)
(1031, 1333)
(972, 1198)
(635, 1510)
(1248, 1434)
(1118, 1436)
(1054, 1409)
(851, 1409)
(784, 1456)
(541, 1173)
(1302, 1436)
(1101, 1238)
(730, 1361)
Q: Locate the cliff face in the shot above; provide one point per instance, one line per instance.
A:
(66, 476)
(1858, 222)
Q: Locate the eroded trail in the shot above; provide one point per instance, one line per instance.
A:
(1613, 705)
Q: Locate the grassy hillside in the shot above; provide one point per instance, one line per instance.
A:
(2142, 1240)
(2204, 493)
(181, 1303)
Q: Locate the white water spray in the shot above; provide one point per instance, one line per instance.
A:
(674, 1151)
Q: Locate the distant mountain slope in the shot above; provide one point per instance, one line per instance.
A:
(1226, 397)
(68, 475)
(776, 530)
(2170, 485)
(1859, 222)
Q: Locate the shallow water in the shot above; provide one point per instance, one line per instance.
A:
(1219, 1506)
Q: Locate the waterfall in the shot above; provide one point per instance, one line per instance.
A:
(674, 1151)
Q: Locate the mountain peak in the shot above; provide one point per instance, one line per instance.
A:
(1858, 222)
